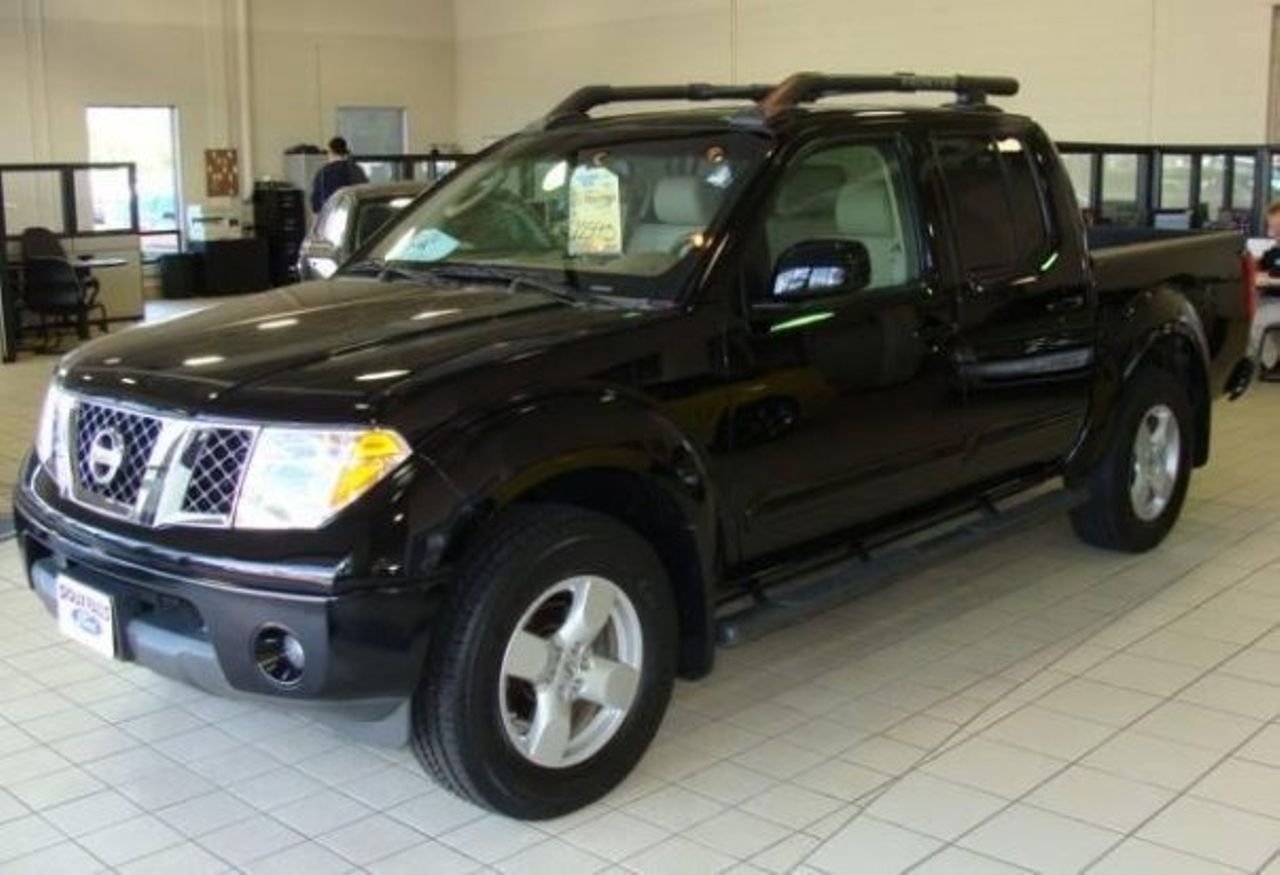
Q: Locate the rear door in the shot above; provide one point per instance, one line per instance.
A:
(1026, 313)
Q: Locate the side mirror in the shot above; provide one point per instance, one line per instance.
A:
(822, 267)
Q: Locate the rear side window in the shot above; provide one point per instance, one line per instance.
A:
(997, 202)
(1026, 201)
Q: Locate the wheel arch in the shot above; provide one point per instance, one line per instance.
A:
(1158, 327)
(1181, 353)
(622, 458)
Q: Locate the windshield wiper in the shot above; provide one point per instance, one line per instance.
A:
(382, 270)
(513, 278)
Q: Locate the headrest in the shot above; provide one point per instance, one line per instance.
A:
(683, 200)
(863, 210)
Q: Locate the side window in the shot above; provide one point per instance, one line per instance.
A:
(997, 202)
(1026, 201)
(850, 192)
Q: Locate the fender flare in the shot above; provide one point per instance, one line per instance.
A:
(1150, 321)
(487, 461)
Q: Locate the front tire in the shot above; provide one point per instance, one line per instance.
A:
(1136, 490)
(552, 664)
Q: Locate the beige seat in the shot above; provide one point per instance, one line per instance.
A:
(865, 212)
(806, 208)
(682, 207)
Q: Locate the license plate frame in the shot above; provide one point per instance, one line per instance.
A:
(86, 615)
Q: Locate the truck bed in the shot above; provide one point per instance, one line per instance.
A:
(1204, 266)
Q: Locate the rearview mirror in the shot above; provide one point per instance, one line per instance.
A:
(822, 267)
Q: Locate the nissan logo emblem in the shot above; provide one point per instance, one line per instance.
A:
(106, 455)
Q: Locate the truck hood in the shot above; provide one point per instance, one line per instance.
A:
(333, 350)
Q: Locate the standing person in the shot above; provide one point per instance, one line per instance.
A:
(340, 171)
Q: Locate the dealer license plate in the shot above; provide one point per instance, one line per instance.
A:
(86, 615)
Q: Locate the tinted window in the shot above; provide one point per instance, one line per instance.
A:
(997, 202)
(982, 224)
(1026, 200)
(848, 192)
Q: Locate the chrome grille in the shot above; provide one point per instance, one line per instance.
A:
(220, 456)
(134, 435)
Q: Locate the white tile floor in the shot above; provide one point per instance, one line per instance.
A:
(1035, 705)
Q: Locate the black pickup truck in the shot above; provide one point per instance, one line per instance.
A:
(621, 389)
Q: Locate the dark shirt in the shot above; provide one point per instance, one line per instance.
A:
(332, 177)
(1270, 261)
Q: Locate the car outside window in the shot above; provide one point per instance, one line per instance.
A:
(998, 202)
(852, 191)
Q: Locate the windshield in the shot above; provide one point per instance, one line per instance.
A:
(616, 217)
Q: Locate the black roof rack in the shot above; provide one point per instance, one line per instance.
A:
(806, 87)
(585, 99)
(795, 89)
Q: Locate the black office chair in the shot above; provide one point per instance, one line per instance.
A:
(52, 291)
(38, 242)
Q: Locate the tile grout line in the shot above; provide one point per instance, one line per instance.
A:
(1103, 624)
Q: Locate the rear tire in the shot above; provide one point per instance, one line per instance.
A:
(551, 666)
(1136, 490)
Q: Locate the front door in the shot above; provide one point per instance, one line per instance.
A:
(844, 406)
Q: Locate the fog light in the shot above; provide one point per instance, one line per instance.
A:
(279, 655)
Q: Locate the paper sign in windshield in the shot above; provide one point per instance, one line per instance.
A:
(429, 244)
(595, 212)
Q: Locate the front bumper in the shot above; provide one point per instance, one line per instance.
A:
(195, 618)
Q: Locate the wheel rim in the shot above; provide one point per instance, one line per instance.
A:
(571, 671)
(1157, 456)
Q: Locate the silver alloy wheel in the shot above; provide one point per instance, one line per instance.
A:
(571, 671)
(1157, 456)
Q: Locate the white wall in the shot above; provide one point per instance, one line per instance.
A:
(472, 70)
(309, 58)
(306, 58)
(1137, 70)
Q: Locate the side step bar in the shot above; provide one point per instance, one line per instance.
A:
(832, 584)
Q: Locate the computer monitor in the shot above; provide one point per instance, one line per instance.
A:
(1173, 220)
(1257, 246)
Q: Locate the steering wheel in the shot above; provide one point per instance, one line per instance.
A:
(479, 193)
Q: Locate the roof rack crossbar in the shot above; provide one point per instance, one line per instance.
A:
(585, 99)
(771, 99)
(805, 87)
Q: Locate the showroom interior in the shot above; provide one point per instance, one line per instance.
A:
(690, 448)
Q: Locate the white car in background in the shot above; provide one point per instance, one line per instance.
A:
(352, 215)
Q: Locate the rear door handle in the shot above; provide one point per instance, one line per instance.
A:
(1066, 304)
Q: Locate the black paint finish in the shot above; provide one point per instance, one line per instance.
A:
(736, 430)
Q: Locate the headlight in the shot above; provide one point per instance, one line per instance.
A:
(299, 478)
(50, 430)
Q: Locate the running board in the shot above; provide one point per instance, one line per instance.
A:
(832, 584)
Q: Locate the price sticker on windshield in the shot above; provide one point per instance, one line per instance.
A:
(595, 212)
(429, 244)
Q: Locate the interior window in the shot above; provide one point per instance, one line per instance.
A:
(848, 192)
